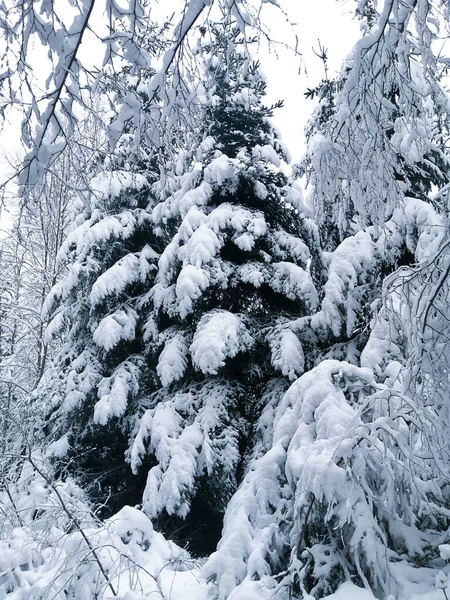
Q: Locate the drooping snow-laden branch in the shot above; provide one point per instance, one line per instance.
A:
(50, 68)
(381, 128)
(44, 142)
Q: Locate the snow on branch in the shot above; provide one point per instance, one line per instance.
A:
(132, 41)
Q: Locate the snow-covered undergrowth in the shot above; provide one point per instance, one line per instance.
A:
(53, 548)
(125, 558)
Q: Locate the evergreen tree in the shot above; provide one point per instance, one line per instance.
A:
(349, 474)
(180, 355)
(241, 261)
(92, 390)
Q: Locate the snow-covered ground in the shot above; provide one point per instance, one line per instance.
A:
(59, 554)
(189, 586)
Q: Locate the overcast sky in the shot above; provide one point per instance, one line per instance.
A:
(288, 78)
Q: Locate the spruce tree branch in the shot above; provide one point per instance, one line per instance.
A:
(434, 294)
(304, 525)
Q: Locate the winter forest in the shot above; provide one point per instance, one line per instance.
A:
(223, 375)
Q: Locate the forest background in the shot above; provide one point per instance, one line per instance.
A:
(222, 376)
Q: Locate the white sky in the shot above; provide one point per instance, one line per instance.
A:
(288, 78)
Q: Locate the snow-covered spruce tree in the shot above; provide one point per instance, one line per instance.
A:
(240, 263)
(97, 380)
(350, 473)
